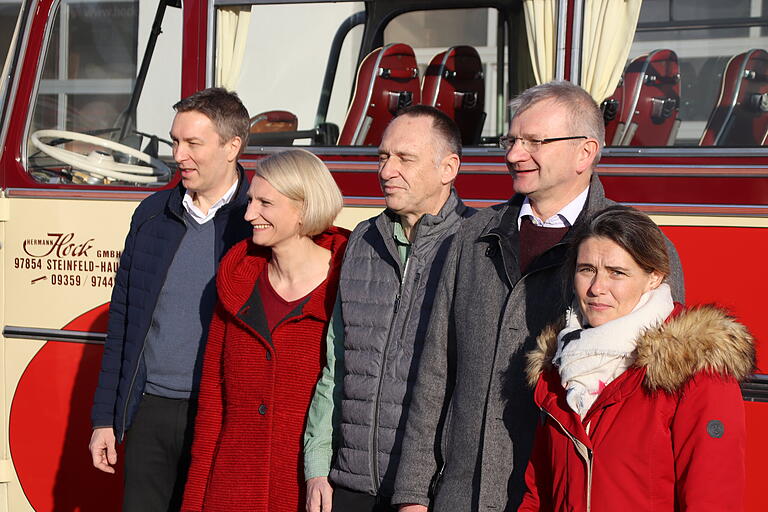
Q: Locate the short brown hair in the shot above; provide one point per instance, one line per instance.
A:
(225, 110)
(630, 229)
(301, 176)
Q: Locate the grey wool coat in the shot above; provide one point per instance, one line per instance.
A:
(472, 418)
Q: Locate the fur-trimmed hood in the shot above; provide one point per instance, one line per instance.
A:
(701, 339)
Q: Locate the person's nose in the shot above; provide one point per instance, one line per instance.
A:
(180, 153)
(517, 153)
(251, 212)
(598, 285)
(388, 169)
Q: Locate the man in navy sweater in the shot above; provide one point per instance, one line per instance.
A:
(163, 300)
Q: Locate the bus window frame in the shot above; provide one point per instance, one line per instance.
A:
(51, 19)
(688, 151)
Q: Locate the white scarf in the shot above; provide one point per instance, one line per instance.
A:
(590, 358)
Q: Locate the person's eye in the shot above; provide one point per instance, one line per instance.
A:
(585, 270)
(618, 273)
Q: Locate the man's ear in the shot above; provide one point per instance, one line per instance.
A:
(586, 155)
(233, 146)
(449, 168)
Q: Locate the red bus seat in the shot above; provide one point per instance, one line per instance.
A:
(650, 101)
(388, 80)
(740, 117)
(612, 114)
(454, 83)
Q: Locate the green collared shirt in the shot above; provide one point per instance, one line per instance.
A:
(324, 411)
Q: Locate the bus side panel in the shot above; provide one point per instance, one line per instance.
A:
(757, 455)
(60, 257)
(726, 266)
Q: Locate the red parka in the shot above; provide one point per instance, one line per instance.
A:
(666, 435)
(256, 388)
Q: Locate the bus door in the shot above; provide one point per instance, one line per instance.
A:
(84, 138)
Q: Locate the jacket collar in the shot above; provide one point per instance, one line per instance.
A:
(175, 206)
(504, 223)
(502, 227)
(690, 341)
(241, 268)
(428, 226)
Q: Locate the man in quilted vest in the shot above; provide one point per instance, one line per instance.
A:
(163, 301)
(388, 280)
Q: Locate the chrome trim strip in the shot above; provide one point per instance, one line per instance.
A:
(690, 151)
(562, 11)
(38, 74)
(755, 388)
(63, 193)
(609, 151)
(41, 334)
(210, 43)
(577, 38)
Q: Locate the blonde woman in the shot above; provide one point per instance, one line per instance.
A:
(266, 343)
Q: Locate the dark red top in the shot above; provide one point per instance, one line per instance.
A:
(534, 240)
(276, 308)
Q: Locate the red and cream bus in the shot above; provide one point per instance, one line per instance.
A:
(85, 109)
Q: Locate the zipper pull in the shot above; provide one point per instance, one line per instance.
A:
(397, 302)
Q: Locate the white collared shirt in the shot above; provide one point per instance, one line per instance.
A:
(566, 217)
(197, 214)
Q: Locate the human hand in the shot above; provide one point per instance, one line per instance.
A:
(102, 448)
(319, 494)
(411, 507)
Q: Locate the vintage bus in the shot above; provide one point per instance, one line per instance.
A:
(85, 108)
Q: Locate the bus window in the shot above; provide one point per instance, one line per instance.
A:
(9, 14)
(83, 130)
(9, 11)
(696, 75)
(276, 56)
(456, 53)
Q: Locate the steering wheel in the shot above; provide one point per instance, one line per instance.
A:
(100, 164)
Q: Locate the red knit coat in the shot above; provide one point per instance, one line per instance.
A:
(256, 388)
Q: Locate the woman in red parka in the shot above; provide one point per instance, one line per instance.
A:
(266, 347)
(640, 402)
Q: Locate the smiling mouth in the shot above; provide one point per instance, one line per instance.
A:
(261, 226)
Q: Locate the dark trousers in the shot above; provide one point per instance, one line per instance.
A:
(157, 455)
(345, 500)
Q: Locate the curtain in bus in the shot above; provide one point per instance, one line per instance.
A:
(541, 27)
(231, 36)
(609, 29)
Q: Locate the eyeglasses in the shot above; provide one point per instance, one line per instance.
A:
(532, 145)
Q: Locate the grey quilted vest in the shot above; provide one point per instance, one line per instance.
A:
(386, 308)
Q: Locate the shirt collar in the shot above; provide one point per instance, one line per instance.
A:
(566, 217)
(197, 214)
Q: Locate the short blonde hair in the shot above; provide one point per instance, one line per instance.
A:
(301, 176)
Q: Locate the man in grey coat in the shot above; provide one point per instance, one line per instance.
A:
(388, 281)
(472, 418)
